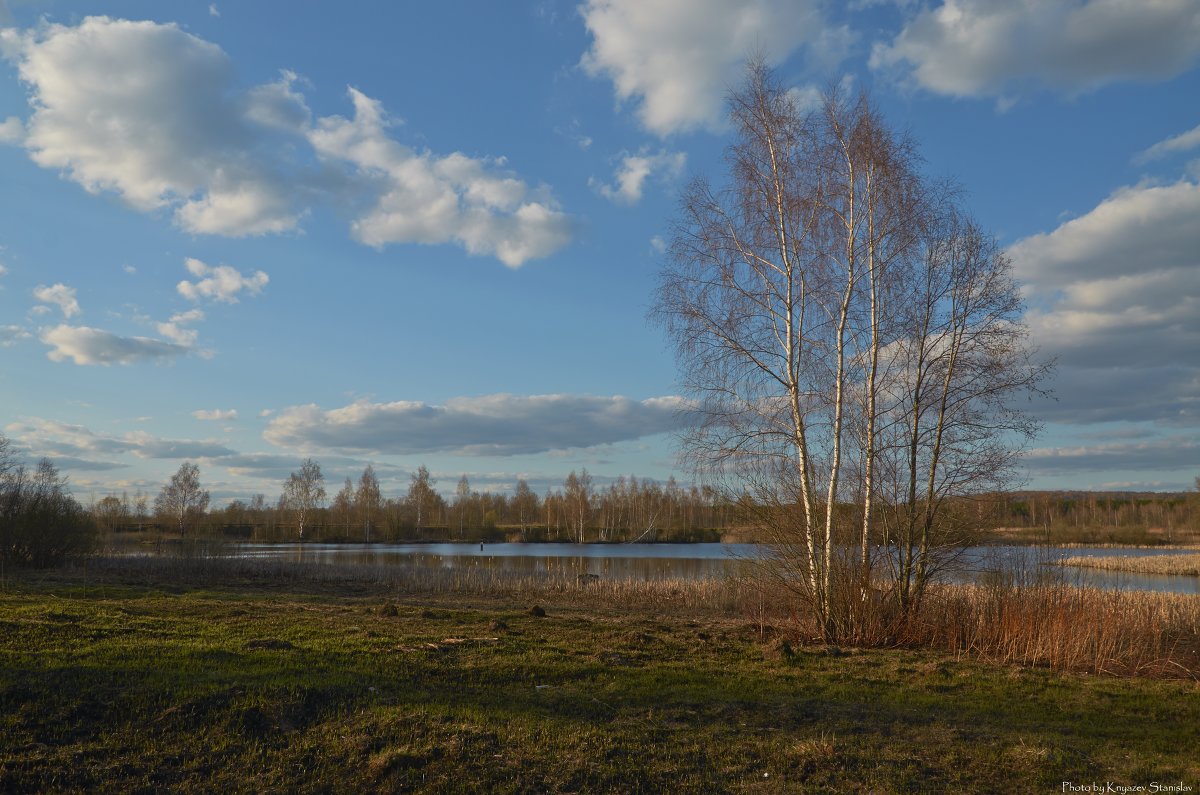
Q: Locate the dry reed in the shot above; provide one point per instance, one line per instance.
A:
(1186, 565)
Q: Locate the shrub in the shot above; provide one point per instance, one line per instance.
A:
(40, 522)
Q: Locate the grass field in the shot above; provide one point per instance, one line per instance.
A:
(304, 686)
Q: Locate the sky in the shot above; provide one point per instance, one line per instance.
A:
(404, 234)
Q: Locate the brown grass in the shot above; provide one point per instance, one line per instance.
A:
(1122, 633)
(1186, 565)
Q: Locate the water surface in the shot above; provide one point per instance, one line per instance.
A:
(703, 561)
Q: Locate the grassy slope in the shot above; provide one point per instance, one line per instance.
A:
(127, 688)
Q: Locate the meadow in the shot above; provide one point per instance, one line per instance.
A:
(200, 676)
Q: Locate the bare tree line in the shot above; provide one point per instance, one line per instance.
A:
(628, 509)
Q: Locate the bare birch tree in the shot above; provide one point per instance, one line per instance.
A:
(182, 498)
(304, 492)
(367, 499)
(421, 495)
(792, 295)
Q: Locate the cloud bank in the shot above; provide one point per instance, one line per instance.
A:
(497, 425)
(1115, 294)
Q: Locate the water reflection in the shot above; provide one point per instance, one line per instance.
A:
(706, 561)
(609, 561)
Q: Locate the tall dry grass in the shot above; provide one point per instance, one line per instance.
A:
(1186, 565)
(1065, 627)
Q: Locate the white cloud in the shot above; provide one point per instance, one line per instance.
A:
(1179, 143)
(129, 269)
(151, 113)
(677, 58)
(631, 175)
(60, 295)
(219, 283)
(215, 415)
(11, 335)
(84, 345)
(1115, 294)
(12, 131)
(213, 11)
(971, 48)
(422, 198)
(154, 115)
(175, 329)
(489, 425)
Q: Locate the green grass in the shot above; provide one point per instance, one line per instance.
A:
(275, 687)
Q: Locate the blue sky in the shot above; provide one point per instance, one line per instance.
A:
(246, 233)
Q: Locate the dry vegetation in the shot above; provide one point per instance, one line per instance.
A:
(1187, 565)
(1013, 620)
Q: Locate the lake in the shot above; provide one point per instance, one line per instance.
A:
(693, 561)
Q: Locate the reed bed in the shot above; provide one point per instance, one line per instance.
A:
(1186, 565)
(1065, 627)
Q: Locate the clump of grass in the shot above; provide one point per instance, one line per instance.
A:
(1185, 565)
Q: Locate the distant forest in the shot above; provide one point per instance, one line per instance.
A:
(627, 509)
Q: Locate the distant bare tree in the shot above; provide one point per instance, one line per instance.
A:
(343, 504)
(182, 498)
(577, 493)
(462, 502)
(525, 504)
(367, 500)
(421, 495)
(304, 492)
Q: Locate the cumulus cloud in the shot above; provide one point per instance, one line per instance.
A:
(85, 345)
(499, 424)
(154, 115)
(1115, 294)
(677, 58)
(216, 415)
(634, 170)
(422, 198)
(151, 113)
(971, 48)
(219, 283)
(59, 295)
(1179, 143)
(175, 328)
